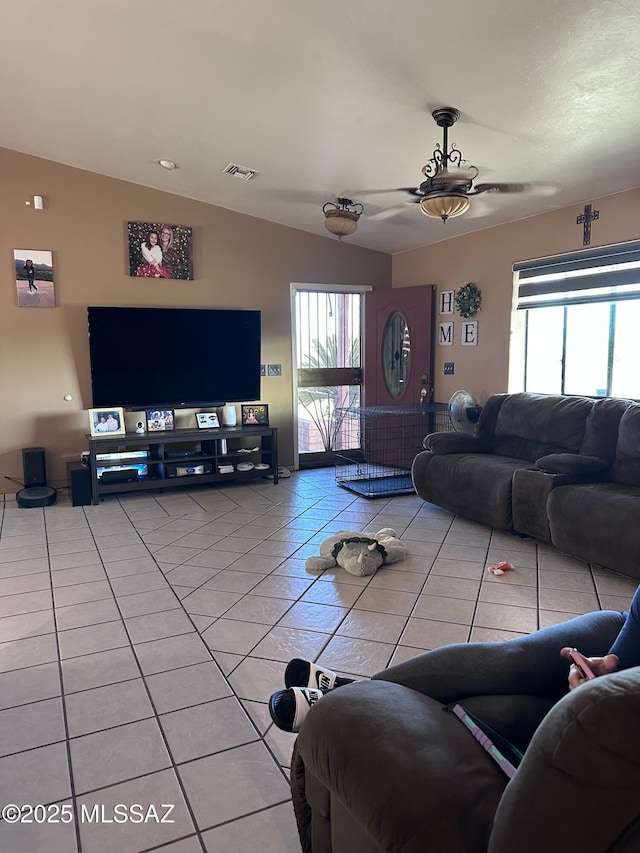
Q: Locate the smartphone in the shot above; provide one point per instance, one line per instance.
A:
(581, 663)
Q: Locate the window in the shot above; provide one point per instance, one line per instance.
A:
(576, 323)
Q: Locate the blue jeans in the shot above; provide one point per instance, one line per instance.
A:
(627, 644)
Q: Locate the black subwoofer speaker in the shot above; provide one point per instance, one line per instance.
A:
(35, 472)
(79, 483)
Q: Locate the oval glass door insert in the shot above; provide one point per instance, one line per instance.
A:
(396, 353)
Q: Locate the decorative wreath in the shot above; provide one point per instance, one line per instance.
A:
(468, 299)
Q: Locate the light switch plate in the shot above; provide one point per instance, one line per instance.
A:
(263, 370)
(274, 370)
(448, 368)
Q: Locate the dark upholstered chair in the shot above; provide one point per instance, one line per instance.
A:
(379, 766)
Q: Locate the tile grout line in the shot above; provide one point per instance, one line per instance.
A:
(63, 700)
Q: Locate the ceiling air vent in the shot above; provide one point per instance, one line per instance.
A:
(241, 172)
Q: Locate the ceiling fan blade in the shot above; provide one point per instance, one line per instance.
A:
(391, 211)
(358, 193)
(479, 208)
(501, 188)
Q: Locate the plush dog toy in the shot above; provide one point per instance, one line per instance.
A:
(359, 554)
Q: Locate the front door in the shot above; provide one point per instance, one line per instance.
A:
(398, 346)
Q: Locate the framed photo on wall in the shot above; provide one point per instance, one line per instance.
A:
(158, 421)
(107, 421)
(207, 420)
(34, 278)
(160, 251)
(255, 414)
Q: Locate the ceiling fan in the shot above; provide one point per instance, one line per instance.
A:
(448, 184)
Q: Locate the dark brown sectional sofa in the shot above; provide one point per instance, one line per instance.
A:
(564, 470)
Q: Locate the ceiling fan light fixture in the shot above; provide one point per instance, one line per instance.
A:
(448, 176)
(444, 206)
(341, 217)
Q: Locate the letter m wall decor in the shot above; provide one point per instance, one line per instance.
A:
(445, 334)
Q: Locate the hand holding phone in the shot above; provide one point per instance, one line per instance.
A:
(581, 663)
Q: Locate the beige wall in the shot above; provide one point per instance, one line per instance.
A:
(486, 258)
(239, 261)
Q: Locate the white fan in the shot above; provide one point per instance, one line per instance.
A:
(464, 411)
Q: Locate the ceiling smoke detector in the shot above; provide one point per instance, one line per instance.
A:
(168, 164)
(242, 172)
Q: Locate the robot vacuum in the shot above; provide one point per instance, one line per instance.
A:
(36, 496)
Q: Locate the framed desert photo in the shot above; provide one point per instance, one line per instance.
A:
(258, 414)
(34, 278)
(158, 421)
(161, 251)
(207, 420)
(107, 421)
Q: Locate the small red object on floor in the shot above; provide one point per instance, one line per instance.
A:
(501, 568)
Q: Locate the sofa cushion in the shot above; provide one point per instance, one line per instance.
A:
(476, 485)
(601, 428)
(626, 468)
(598, 522)
(529, 426)
(486, 426)
(571, 463)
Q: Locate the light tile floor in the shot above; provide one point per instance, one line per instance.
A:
(140, 641)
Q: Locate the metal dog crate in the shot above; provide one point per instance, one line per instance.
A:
(383, 442)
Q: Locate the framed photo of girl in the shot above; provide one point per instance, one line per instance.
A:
(160, 251)
(34, 278)
(107, 421)
(255, 414)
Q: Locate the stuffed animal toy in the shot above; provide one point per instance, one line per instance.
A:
(358, 553)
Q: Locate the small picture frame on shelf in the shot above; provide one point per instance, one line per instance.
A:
(255, 414)
(107, 421)
(207, 420)
(157, 421)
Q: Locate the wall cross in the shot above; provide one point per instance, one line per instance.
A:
(585, 219)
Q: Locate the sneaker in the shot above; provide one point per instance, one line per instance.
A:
(288, 708)
(303, 673)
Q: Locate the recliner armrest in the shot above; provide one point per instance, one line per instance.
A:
(454, 442)
(572, 463)
(584, 760)
(408, 774)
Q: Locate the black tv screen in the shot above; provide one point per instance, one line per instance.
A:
(174, 357)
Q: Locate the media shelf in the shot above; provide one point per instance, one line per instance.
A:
(170, 453)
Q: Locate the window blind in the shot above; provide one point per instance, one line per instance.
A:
(599, 274)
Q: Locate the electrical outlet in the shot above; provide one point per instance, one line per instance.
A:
(263, 370)
(448, 368)
(274, 370)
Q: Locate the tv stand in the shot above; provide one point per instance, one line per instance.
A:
(171, 453)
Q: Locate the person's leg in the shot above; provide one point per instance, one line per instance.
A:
(530, 665)
(627, 643)
(523, 677)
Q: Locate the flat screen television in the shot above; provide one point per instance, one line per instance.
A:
(173, 357)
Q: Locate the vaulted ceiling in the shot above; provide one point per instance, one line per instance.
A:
(330, 98)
